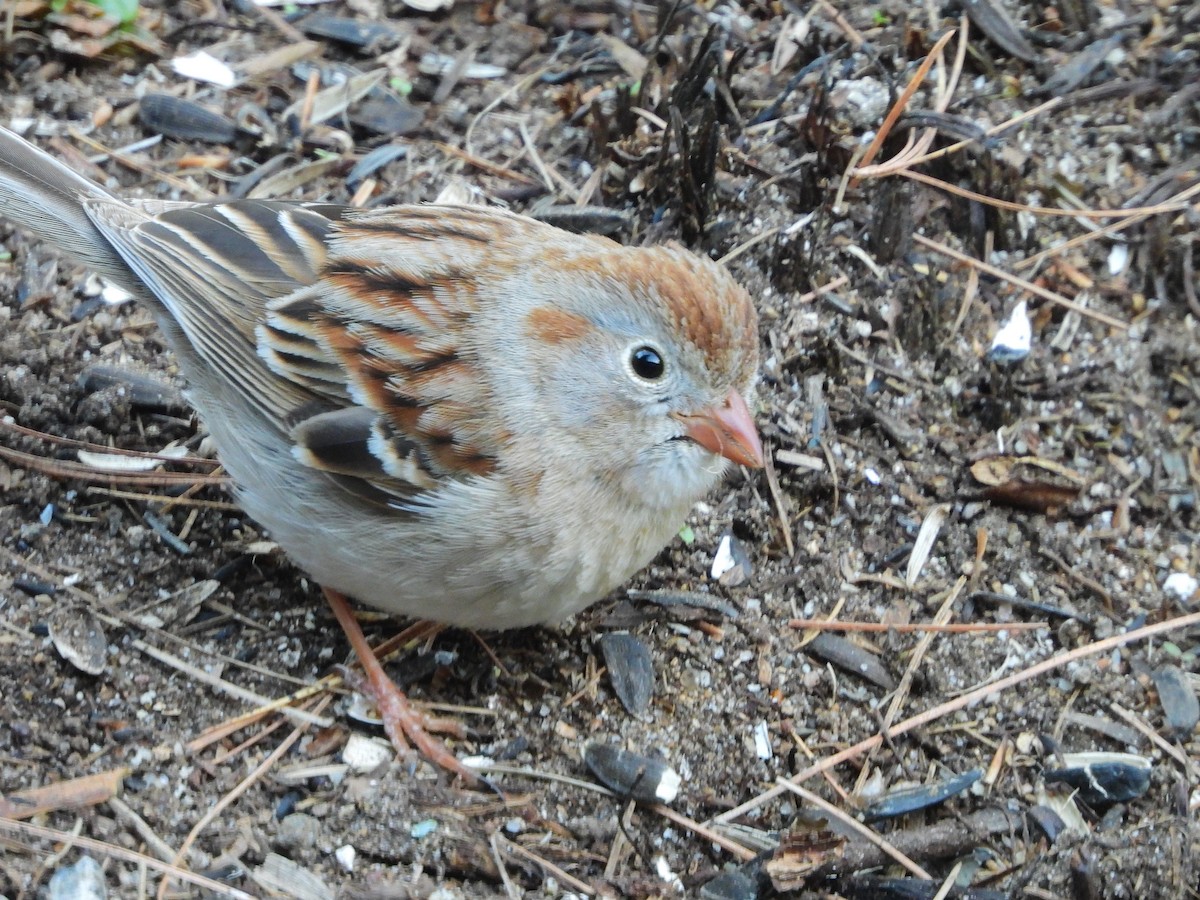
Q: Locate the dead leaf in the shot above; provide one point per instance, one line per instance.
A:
(995, 470)
(799, 855)
(631, 61)
(1032, 496)
(75, 793)
(792, 34)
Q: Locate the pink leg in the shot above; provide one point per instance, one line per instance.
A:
(401, 721)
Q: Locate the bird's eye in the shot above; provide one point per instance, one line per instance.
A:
(647, 363)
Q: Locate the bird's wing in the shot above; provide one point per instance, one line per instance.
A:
(344, 329)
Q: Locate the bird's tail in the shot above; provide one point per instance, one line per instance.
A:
(46, 198)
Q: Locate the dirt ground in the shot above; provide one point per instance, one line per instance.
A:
(1064, 482)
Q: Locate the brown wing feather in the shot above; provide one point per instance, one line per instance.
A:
(361, 365)
(393, 335)
(215, 282)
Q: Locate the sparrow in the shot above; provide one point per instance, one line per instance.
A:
(454, 413)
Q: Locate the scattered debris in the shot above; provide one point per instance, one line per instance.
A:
(731, 564)
(1178, 700)
(1103, 778)
(1014, 339)
(851, 658)
(630, 669)
(902, 801)
(78, 636)
(643, 778)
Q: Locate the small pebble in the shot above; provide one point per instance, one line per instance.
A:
(1179, 702)
(1181, 585)
(298, 832)
(83, 880)
(423, 829)
(730, 886)
(364, 754)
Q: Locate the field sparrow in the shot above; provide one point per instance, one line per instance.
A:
(454, 413)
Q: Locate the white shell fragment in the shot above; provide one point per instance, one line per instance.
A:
(78, 636)
(731, 564)
(202, 66)
(364, 754)
(345, 857)
(643, 778)
(121, 462)
(1181, 585)
(723, 560)
(441, 64)
(114, 294)
(923, 545)
(663, 868)
(82, 880)
(1118, 258)
(1014, 339)
(762, 741)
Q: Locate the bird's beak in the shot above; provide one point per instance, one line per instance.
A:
(726, 430)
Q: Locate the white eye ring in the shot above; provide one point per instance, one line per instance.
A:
(646, 362)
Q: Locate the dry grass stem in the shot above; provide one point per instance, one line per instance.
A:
(103, 849)
(227, 687)
(164, 500)
(897, 109)
(1112, 228)
(1186, 763)
(1016, 281)
(914, 627)
(965, 700)
(183, 185)
(942, 617)
(545, 865)
(259, 771)
(856, 826)
(740, 852)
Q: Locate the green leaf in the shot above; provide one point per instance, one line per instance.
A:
(687, 535)
(124, 11)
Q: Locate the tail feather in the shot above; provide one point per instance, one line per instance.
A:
(43, 196)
